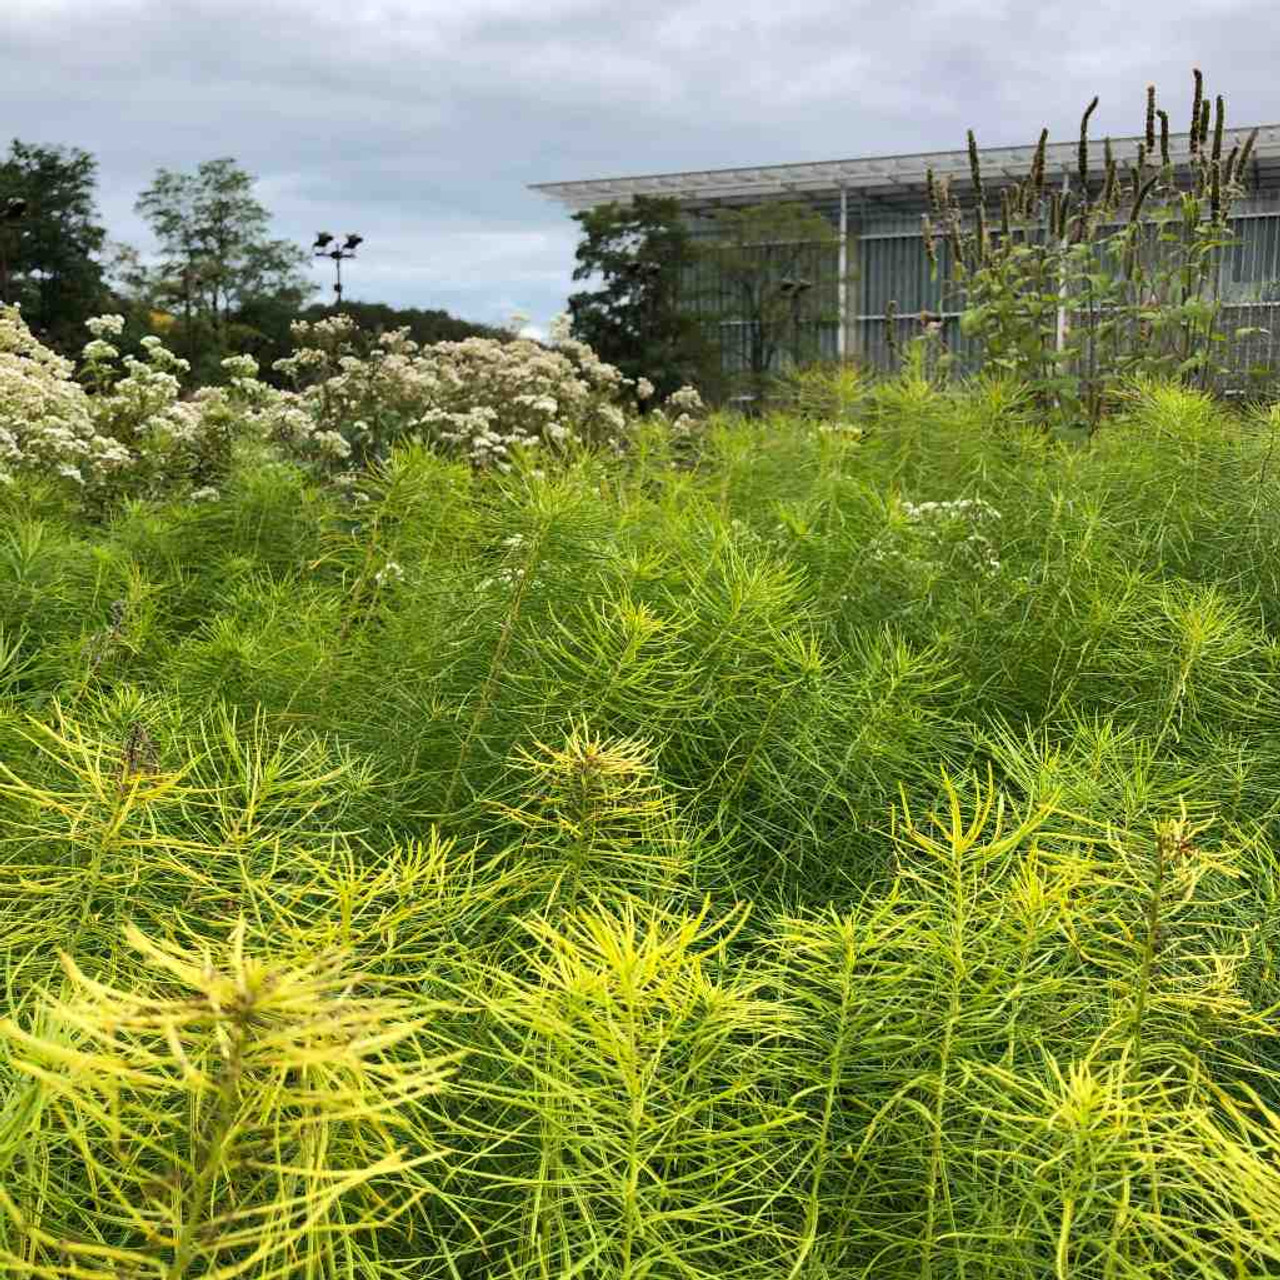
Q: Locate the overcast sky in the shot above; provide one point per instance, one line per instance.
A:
(419, 124)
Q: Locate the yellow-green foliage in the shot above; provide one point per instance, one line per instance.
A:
(794, 853)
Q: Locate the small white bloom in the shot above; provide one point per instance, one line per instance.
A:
(100, 326)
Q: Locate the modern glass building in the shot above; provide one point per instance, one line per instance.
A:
(877, 262)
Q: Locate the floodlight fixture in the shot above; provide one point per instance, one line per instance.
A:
(15, 209)
(793, 287)
(338, 254)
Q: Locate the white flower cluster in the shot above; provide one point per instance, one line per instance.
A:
(970, 508)
(121, 424)
(560, 329)
(682, 408)
(480, 398)
(47, 425)
(958, 524)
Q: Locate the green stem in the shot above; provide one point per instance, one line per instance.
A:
(1150, 946)
(210, 1160)
(496, 667)
(822, 1157)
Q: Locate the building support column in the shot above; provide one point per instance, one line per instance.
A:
(842, 282)
(1060, 338)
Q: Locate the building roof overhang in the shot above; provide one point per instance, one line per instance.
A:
(891, 183)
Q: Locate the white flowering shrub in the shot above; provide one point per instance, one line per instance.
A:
(937, 534)
(46, 423)
(479, 398)
(121, 427)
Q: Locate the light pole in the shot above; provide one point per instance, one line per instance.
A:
(794, 288)
(338, 253)
(11, 217)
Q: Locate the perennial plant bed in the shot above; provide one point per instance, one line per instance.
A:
(809, 848)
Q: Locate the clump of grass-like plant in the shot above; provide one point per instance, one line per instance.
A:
(213, 1112)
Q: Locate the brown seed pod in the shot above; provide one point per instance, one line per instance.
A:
(1037, 163)
(1229, 172)
(1196, 100)
(1164, 137)
(1246, 154)
(1140, 198)
(1151, 117)
(930, 245)
(1084, 150)
(1219, 123)
(975, 168)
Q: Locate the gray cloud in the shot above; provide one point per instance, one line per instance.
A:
(419, 125)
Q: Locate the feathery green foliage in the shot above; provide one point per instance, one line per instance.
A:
(839, 845)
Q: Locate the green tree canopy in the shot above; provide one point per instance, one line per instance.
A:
(767, 281)
(636, 318)
(48, 247)
(218, 263)
(425, 325)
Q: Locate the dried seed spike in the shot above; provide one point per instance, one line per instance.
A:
(1084, 150)
(1215, 190)
(981, 231)
(932, 187)
(1164, 137)
(1055, 215)
(1109, 184)
(1204, 123)
(1140, 198)
(1004, 216)
(1196, 100)
(1151, 117)
(138, 753)
(930, 246)
(1246, 154)
(1037, 163)
(1219, 123)
(1142, 157)
(975, 168)
(1229, 173)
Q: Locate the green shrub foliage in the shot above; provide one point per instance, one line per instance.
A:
(836, 845)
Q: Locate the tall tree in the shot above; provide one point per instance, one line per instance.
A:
(767, 282)
(637, 318)
(48, 245)
(217, 259)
